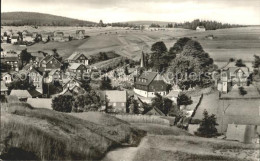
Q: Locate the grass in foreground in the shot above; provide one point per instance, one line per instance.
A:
(42, 134)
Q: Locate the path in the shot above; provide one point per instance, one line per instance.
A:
(124, 154)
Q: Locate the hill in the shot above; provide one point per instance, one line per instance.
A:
(39, 19)
(42, 134)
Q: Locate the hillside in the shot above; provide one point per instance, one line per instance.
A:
(42, 134)
(39, 19)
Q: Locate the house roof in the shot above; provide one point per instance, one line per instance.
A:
(146, 78)
(116, 96)
(53, 71)
(21, 93)
(75, 56)
(155, 111)
(75, 66)
(49, 58)
(40, 102)
(34, 93)
(14, 37)
(5, 59)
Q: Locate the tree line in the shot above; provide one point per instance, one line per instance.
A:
(209, 25)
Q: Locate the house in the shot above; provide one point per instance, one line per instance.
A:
(72, 90)
(53, 75)
(233, 76)
(36, 77)
(116, 99)
(7, 78)
(47, 36)
(14, 39)
(242, 133)
(149, 83)
(28, 37)
(78, 58)
(12, 61)
(70, 83)
(200, 28)
(4, 90)
(22, 95)
(80, 34)
(78, 69)
(58, 36)
(49, 62)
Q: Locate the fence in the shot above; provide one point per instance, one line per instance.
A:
(144, 119)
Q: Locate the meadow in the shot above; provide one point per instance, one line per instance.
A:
(235, 43)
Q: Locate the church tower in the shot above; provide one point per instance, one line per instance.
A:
(142, 63)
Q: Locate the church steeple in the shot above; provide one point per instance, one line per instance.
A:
(142, 63)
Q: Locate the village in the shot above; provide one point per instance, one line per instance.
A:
(131, 90)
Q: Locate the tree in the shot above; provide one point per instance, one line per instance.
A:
(162, 103)
(159, 47)
(56, 55)
(105, 84)
(86, 102)
(126, 71)
(101, 24)
(22, 84)
(207, 126)
(85, 84)
(184, 99)
(132, 105)
(62, 103)
(231, 60)
(25, 57)
(178, 46)
(256, 63)
(239, 63)
(242, 91)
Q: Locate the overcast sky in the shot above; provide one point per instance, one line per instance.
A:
(230, 11)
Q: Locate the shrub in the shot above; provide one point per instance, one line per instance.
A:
(62, 103)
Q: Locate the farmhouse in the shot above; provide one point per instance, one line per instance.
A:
(200, 28)
(53, 75)
(4, 89)
(28, 37)
(149, 83)
(233, 76)
(58, 36)
(78, 58)
(21, 94)
(77, 69)
(14, 39)
(80, 34)
(7, 78)
(13, 61)
(49, 62)
(116, 99)
(36, 77)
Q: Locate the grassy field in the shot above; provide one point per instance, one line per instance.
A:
(174, 144)
(41, 134)
(236, 42)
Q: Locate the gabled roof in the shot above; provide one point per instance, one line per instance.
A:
(156, 111)
(34, 93)
(21, 93)
(5, 59)
(116, 96)
(234, 70)
(53, 71)
(146, 78)
(49, 58)
(75, 56)
(75, 66)
(14, 37)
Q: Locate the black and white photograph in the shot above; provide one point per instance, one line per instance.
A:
(130, 80)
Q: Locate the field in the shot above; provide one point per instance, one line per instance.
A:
(171, 143)
(237, 42)
(42, 134)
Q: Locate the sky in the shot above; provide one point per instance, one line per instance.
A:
(226, 11)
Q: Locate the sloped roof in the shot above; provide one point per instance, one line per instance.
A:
(78, 31)
(40, 102)
(49, 58)
(21, 93)
(146, 78)
(5, 59)
(53, 71)
(155, 111)
(75, 55)
(74, 66)
(34, 93)
(116, 96)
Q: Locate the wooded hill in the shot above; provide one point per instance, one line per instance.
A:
(39, 19)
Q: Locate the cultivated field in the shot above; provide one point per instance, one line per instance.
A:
(237, 42)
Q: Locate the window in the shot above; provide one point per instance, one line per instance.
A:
(114, 104)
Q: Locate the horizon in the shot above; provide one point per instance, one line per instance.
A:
(111, 11)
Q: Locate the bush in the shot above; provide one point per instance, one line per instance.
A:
(62, 103)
